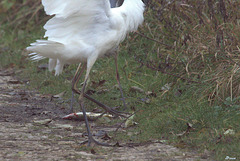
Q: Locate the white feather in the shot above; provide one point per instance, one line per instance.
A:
(83, 30)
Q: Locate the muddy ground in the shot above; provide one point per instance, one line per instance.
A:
(32, 128)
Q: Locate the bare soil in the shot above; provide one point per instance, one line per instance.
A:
(32, 128)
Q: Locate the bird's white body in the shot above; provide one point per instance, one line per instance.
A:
(84, 30)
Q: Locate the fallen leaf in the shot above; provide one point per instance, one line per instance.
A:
(93, 151)
(219, 139)
(129, 122)
(45, 112)
(151, 94)
(136, 89)
(166, 87)
(101, 82)
(21, 153)
(163, 141)
(14, 82)
(102, 91)
(90, 92)
(146, 100)
(178, 93)
(230, 158)
(116, 86)
(229, 132)
(42, 122)
(60, 95)
(189, 127)
(64, 126)
(97, 84)
(181, 134)
(181, 145)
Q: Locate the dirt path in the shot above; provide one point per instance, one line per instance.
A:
(23, 137)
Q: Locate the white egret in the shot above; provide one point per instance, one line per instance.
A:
(81, 31)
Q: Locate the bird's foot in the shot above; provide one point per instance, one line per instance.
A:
(91, 142)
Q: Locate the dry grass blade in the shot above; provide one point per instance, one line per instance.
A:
(197, 40)
(20, 13)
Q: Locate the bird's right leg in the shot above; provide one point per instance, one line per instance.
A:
(106, 108)
(118, 80)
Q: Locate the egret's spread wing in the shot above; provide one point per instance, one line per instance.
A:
(66, 8)
(75, 19)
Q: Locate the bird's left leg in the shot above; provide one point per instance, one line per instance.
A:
(118, 80)
(75, 80)
(90, 63)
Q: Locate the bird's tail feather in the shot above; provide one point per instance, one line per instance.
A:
(45, 48)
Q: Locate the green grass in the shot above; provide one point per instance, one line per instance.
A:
(203, 98)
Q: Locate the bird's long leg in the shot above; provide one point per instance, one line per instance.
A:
(75, 81)
(74, 85)
(77, 77)
(118, 80)
(72, 101)
(105, 107)
(90, 63)
(90, 136)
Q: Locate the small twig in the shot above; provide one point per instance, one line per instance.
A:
(153, 39)
(233, 61)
